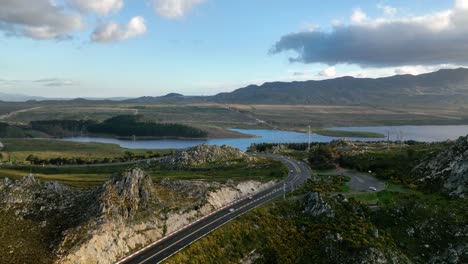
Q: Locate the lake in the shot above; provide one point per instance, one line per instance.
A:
(419, 133)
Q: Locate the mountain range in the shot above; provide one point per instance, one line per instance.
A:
(443, 87)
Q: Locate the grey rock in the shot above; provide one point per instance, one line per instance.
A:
(448, 169)
(124, 194)
(203, 154)
(316, 206)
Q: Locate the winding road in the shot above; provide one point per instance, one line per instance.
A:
(173, 243)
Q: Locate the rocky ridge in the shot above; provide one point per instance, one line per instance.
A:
(204, 154)
(448, 169)
(126, 213)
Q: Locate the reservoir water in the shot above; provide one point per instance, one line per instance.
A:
(419, 133)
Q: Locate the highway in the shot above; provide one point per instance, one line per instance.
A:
(173, 243)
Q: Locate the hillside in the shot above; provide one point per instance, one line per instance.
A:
(448, 170)
(444, 87)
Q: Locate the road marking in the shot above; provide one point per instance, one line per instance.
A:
(208, 224)
(274, 193)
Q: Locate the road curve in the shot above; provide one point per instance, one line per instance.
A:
(173, 243)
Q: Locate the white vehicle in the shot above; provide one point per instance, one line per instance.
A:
(231, 210)
(250, 197)
(372, 189)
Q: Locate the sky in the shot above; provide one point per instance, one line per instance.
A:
(131, 48)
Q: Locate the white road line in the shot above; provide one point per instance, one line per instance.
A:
(276, 190)
(210, 223)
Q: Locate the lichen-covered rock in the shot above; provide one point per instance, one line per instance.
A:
(124, 194)
(135, 214)
(316, 206)
(203, 154)
(448, 169)
(106, 223)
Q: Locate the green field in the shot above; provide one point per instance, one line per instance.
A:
(215, 118)
(19, 149)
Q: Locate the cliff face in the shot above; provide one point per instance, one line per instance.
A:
(102, 225)
(448, 169)
(124, 194)
(134, 211)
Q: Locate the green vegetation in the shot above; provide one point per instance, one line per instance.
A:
(17, 151)
(425, 226)
(393, 164)
(323, 184)
(123, 126)
(24, 152)
(235, 170)
(281, 233)
(343, 133)
(17, 235)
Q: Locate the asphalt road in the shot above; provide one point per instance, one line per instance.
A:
(359, 181)
(362, 182)
(173, 243)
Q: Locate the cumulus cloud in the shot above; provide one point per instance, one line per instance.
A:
(388, 10)
(101, 7)
(358, 16)
(112, 31)
(328, 72)
(407, 70)
(438, 38)
(174, 8)
(38, 19)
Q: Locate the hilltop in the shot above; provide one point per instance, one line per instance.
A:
(443, 87)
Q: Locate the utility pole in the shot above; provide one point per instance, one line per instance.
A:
(308, 145)
(284, 191)
(388, 139)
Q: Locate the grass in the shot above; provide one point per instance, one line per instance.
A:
(75, 180)
(391, 192)
(366, 198)
(263, 170)
(19, 149)
(342, 133)
(243, 116)
(88, 177)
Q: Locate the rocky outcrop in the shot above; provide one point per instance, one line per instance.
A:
(448, 169)
(124, 194)
(316, 206)
(128, 212)
(133, 214)
(203, 154)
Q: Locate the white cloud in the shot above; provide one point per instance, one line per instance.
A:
(101, 7)
(56, 82)
(328, 72)
(388, 10)
(461, 4)
(174, 8)
(112, 31)
(358, 16)
(38, 19)
(407, 70)
(432, 39)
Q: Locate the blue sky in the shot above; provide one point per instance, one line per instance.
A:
(193, 47)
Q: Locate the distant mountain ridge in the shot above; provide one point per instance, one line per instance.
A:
(7, 97)
(441, 87)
